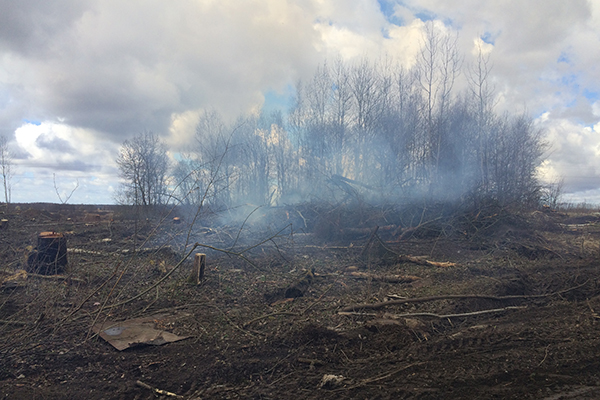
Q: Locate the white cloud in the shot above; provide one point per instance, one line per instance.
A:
(71, 157)
(574, 154)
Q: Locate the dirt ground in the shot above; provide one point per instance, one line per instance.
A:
(508, 307)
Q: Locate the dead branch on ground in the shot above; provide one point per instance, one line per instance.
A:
(157, 391)
(403, 233)
(376, 306)
(403, 257)
(439, 316)
(422, 261)
(385, 278)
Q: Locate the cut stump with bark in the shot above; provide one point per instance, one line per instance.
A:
(50, 256)
(197, 274)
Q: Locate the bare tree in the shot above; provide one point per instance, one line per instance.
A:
(552, 193)
(6, 168)
(341, 106)
(482, 97)
(143, 165)
(215, 158)
(403, 132)
(438, 65)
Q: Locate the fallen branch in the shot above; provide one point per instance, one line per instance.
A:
(421, 261)
(407, 258)
(376, 306)
(405, 232)
(380, 377)
(20, 323)
(157, 391)
(441, 316)
(317, 300)
(236, 326)
(385, 278)
(246, 324)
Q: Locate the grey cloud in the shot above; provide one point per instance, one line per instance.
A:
(54, 144)
(77, 165)
(121, 67)
(20, 153)
(28, 26)
(71, 166)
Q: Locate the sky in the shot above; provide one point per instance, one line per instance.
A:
(78, 77)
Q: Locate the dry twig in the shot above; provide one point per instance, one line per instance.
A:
(157, 391)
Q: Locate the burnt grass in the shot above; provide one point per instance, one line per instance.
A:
(247, 341)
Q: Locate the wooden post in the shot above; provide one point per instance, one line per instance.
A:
(198, 270)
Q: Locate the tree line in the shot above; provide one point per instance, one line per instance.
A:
(389, 132)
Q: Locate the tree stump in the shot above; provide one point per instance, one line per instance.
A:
(197, 275)
(50, 256)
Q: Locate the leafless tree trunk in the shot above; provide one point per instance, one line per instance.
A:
(483, 98)
(438, 65)
(6, 169)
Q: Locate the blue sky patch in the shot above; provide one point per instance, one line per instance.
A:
(32, 122)
(488, 38)
(281, 101)
(563, 58)
(387, 9)
(591, 95)
(385, 33)
(425, 15)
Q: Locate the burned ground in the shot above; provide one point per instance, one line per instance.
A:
(513, 314)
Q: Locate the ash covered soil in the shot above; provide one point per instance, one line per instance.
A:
(482, 305)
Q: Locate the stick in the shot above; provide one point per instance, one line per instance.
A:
(416, 260)
(157, 391)
(376, 306)
(469, 314)
(318, 300)
(6, 322)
